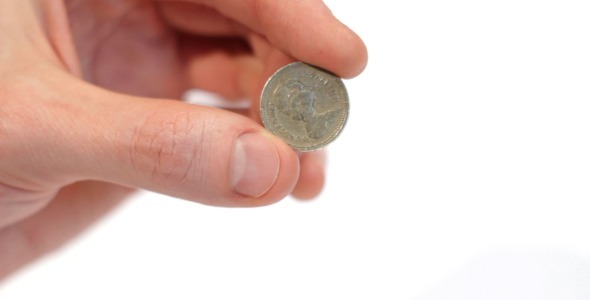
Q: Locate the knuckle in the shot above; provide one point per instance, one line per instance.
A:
(170, 147)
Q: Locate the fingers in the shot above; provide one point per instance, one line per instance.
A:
(306, 30)
(221, 65)
(198, 19)
(311, 178)
(202, 154)
(245, 76)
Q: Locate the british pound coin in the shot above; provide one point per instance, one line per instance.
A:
(305, 106)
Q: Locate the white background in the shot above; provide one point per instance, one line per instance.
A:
(463, 173)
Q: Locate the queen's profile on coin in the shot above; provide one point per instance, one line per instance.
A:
(304, 105)
(299, 105)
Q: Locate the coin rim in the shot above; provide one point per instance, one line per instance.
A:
(266, 122)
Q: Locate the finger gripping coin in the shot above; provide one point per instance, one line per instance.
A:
(305, 106)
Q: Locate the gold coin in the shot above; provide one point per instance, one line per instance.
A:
(305, 106)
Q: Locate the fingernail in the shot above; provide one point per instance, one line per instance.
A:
(255, 165)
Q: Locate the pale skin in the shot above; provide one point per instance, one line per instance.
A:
(87, 109)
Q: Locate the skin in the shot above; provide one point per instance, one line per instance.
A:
(87, 109)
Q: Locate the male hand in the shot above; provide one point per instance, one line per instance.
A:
(86, 115)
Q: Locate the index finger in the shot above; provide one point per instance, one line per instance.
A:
(304, 29)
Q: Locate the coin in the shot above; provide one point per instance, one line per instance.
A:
(305, 106)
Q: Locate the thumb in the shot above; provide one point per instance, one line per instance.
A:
(198, 153)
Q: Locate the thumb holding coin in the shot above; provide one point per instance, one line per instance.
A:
(85, 116)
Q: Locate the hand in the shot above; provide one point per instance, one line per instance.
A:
(84, 115)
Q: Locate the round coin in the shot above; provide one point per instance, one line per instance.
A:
(305, 106)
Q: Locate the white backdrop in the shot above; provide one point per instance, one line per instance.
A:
(463, 173)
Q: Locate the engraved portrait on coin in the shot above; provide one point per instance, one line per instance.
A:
(305, 106)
